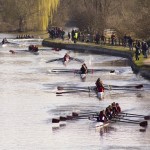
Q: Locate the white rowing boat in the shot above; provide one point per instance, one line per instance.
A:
(4, 45)
(83, 76)
(100, 95)
(100, 125)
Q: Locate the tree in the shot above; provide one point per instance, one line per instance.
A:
(28, 14)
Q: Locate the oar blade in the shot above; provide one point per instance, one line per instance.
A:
(59, 93)
(74, 114)
(55, 120)
(63, 118)
(139, 86)
(112, 71)
(143, 124)
(147, 117)
(60, 88)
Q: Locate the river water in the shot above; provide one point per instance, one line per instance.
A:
(28, 102)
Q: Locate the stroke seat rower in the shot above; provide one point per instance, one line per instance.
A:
(84, 69)
(102, 117)
(99, 88)
(66, 58)
(108, 113)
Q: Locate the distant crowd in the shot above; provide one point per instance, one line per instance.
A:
(141, 47)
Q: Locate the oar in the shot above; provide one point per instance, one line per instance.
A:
(136, 115)
(78, 71)
(11, 43)
(94, 87)
(66, 71)
(103, 70)
(52, 60)
(75, 91)
(72, 87)
(62, 118)
(90, 114)
(128, 86)
(76, 59)
(131, 114)
(143, 123)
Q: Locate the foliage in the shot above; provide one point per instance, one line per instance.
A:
(28, 14)
(125, 16)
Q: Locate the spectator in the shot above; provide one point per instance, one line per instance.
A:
(137, 51)
(130, 43)
(113, 37)
(125, 40)
(103, 39)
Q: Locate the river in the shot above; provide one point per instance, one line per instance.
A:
(28, 102)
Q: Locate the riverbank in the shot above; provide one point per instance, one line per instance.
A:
(142, 66)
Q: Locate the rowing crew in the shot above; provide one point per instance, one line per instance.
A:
(110, 112)
(4, 41)
(31, 48)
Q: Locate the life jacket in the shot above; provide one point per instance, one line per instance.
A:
(76, 35)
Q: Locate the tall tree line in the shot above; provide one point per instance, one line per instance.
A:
(27, 14)
(125, 16)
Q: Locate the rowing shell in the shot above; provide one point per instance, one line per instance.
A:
(4, 45)
(83, 76)
(100, 95)
(101, 125)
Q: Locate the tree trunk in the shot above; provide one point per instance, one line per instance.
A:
(21, 25)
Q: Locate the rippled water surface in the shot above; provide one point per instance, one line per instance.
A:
(28, 102)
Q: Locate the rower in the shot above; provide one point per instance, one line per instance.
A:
(102, 117)
(99, 82)
(84, 69)
(12, 51)
(33, 48)
(66, 57)
(99, 85)
(108, 113)
(114, 109)
(4, 41)
(118, 108)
